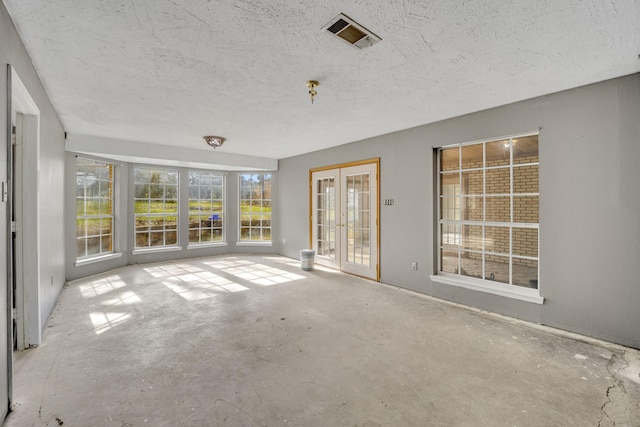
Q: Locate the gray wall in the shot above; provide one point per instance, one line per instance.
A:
(589, 205)
(124, 224)
(51, 167)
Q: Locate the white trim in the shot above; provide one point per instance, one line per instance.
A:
(140, 251)
(95, 259)
(254, 243)
(504, 290)
(206, 245)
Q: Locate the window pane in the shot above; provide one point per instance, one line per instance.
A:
(498, 153)
(525, 272)
(498, 209)
(473, 182)
(94, 207)
(485, 200)
(525, 179)
(472, 156)
(525, 242)
(496, 268)
(472, 208)
(525, 149)
(106, 244)
(93, 245)
(449, 261)
(471, 264)
(450, 159)
(450, 236)
(498, 181)
(472, 237)
(496, 240)
(255, 206)
(525, 209)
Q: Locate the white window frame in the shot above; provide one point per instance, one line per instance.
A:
(133, 199)
(240, 240)
(223, 241)
(488, 286)
(88, 258)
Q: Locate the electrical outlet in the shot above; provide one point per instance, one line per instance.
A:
(414, 265)
(284, 241)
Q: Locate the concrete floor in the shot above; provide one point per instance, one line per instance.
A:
(255, 341)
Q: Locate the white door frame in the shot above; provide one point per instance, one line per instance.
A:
(340, 170)
(25, 116)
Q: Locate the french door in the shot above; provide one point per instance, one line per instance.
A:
(344, 218)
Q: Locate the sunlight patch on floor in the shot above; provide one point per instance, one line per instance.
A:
(102, 322)
(122, 299)
(101, 286)
(193, 283)
(259, 274)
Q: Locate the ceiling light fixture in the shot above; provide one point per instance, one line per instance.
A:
(214, 141)
(312, 84)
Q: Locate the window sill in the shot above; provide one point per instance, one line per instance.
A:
(156, 249)
(509, 291)
(256, 243)
(206, 245)
(95, 259)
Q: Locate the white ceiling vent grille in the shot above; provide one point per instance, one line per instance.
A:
(349, 31)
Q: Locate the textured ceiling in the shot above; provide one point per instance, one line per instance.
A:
(169, 71)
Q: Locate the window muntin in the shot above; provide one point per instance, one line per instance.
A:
(255, 207)
(155, 206)
(489, 203)
(206, 207)
(94, 208)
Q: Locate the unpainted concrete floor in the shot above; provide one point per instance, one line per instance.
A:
(255, 341)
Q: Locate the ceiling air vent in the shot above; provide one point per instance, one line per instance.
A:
(349, 31)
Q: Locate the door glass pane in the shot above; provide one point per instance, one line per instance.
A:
(325, 217)
(357, 219)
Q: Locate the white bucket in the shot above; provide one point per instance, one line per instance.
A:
(307, 259)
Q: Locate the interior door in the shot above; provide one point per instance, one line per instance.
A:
(358, 212)
(344, 223)
(325, 226)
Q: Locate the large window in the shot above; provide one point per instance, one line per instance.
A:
(94, 208)
(488, 220)
(155, 206)
(255, 207)
(206, 206)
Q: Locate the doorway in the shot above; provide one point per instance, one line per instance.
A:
(344, 226)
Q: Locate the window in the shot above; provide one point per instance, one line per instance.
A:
(155, 207)
(488, 216)
(255, 207)
(94, 208)
(206, 207)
